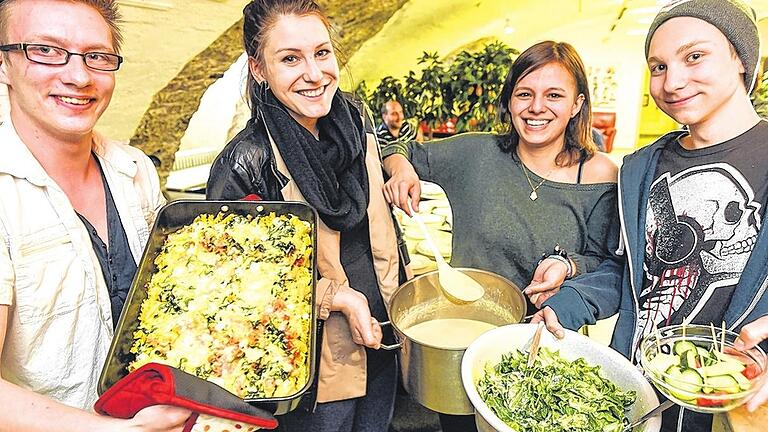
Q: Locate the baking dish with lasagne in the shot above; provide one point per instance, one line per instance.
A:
(225, 291)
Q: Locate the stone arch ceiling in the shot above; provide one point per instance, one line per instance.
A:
(385, 37)
(163, 124)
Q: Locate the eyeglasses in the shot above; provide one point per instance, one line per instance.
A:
(55, 56)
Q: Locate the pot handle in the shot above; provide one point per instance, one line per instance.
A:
(396, 346)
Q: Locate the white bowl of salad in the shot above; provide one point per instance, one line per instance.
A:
(697, 367)
(575, 384)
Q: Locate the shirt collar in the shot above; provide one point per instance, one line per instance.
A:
(19, 162)
(115, 154)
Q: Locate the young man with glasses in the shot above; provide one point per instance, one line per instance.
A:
(74, 217)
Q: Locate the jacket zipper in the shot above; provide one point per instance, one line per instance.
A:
(752, 305)
(628, 254)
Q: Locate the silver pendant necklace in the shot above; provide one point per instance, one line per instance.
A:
(533, 196)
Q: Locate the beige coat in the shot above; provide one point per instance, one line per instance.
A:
(342, 364)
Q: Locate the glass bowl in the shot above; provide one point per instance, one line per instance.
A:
(698, 368)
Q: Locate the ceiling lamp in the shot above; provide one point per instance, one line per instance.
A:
(508, 29)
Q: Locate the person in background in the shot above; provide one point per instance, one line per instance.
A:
(751, 335)
(536, 204)
(693, 202)
(306, 141)
(395, 127)
(74, 217)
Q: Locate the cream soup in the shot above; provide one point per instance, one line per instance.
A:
(450, 333)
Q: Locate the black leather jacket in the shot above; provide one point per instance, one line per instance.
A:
(246, 166)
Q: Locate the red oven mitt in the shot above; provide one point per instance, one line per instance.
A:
(158, 384)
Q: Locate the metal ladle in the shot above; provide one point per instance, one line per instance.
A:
(456, 286)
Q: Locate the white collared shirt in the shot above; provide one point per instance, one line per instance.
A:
(60, 322)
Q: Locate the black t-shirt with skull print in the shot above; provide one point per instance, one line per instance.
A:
(705, 209)
(704, 212)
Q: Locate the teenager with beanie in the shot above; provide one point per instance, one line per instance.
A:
(692, 203)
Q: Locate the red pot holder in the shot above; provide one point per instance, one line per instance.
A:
(214, 409)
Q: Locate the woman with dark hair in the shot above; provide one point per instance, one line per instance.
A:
(538, 188)
(539, 184)
(306, 141)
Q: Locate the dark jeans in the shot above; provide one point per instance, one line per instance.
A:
(371, 413)
(457, 423)
(692, 421)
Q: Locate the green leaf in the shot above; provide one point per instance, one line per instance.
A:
(553, 395)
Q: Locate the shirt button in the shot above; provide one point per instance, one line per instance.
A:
(114, 278)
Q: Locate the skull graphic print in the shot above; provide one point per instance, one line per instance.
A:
(701, 226)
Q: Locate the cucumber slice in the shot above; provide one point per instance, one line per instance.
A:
(726, 383)
(726, 357)
(706, 358)
(687, 381)
(662, 362)
(722, 368)
(743, 381)
(682, 346)
(689, 359)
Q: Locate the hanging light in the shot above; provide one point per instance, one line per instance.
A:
(508, 29)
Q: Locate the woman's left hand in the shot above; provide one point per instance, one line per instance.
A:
(403, 183)
(547, 278)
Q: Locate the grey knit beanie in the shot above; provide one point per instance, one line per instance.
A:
(733, 18)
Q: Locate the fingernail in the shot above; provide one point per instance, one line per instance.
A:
(738, 344)
(560, 334)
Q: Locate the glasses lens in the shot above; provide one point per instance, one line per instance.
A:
(102, 61)
(46, 54)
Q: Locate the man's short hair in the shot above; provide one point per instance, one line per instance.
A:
(384, 109)
(107, 9)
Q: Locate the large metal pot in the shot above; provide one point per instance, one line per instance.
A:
(432, 374)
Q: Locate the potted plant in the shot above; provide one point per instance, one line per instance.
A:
(475, 84)
(449, 97)
(760, 96)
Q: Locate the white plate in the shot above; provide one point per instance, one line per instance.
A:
(420, 262)
(429, 219)
(414, 233)
(444, 248)
(429, 206)
(431, 191)
(491, 345)
(442, 211)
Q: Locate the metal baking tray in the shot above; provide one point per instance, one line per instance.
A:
(170, 218)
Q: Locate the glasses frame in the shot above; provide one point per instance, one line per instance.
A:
(24, 46)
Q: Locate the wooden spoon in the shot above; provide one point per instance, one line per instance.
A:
(456, 286)
(534, 349)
